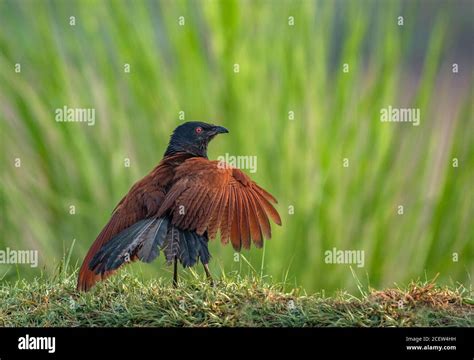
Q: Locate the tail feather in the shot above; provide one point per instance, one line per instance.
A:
(141, 240)
(193, 248)
(204, 254)
(151, 249)
(184, 250)
(188, 246)
(115, 252)
(87, 278)
(171, 244)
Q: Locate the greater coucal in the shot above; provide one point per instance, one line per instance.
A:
(178, 207)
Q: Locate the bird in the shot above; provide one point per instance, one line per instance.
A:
(183, 202)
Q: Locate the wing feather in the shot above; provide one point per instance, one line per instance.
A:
(220, 199)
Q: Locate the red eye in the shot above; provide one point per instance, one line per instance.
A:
(198, 130)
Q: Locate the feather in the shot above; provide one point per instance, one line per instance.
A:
(216, 215)
(264, 193)
(204, 216)
(269, 209)
(234, 228)
(170, 246)
(189, 250)
(262, 218)
(184, 250)
(254, 225)
(244, 220)
(153, 240)
(204, 255)
(191, 209)
(226, 220)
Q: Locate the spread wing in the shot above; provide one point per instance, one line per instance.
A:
(211, 196)
(131, 220)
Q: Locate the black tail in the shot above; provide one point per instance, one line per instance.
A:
(141, 240)
(144, 239)
(188, 246)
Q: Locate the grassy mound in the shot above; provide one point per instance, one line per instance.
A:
(126, 301)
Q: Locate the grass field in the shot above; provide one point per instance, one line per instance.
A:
(232, 302)
(290, 104)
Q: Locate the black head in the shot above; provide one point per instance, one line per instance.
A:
(193, 137)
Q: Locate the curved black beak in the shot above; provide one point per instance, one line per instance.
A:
(219, 130)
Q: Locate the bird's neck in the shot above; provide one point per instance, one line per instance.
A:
(176, 158)
(191, 151)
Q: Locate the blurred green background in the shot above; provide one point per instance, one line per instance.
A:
(283, 68)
